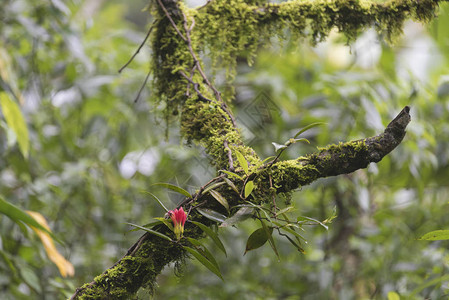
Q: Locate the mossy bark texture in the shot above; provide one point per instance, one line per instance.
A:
(227, 29)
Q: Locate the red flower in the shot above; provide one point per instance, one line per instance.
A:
(179, 218)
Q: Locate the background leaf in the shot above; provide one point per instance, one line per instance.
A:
(15, 121)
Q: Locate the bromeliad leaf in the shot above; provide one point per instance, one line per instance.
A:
(203, 251)
(204, 261)
(213, 186)
(249, 187)
(220, 199)
(157, 199)
(308, 127)
(257, 239)
(231, 184)
(242, 161)
(436, 235)
(212, 215)
(161, 235)
(174, 188)
(212, 235)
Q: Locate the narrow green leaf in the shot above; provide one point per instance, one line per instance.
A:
(231, 184)
(426, 284)
(242, 161)
(203, 251)
(212, 235)
(332, 217)
(175, 188)
(267, 159)
(308, 127)
(157, 199)
(286, 227)
(232, 174)
(278, 147)
(220, 199)
(15, 120)
(161, 235)
(204, 261)
(241, 215)
(249, 187)
(212, 215)
(18, 215)
(313, 220)
(213, 187)
(148, 225)
(297, 246)
(285, 210)
(257, 239)
(436, 235)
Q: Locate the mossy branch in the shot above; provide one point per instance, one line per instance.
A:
(339, 159)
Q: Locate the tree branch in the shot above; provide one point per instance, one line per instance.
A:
(342, 158)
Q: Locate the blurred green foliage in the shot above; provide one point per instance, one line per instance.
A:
(93, 150)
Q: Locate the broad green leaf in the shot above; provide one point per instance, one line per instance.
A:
(308, 127)
(212, 215)
(278, 147)
(203, 250)
(231, 184)
(157, 199)
(212, 235)
(241, 215)
(269, 231)
(436, 235)
(213, 186)
(204, 261)
(232, 174)
(18, 215)
(249, 187)
(242, 161)
(393, 296)
(174, 188)
(257, 239)
(15, 120)
(220, 199)
(161, 235)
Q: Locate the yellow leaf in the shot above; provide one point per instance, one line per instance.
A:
(64, 266)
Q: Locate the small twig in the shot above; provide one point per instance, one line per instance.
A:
(231, 162)
(142, 87)
(171, 20)
(138, 49)
(274, 197)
